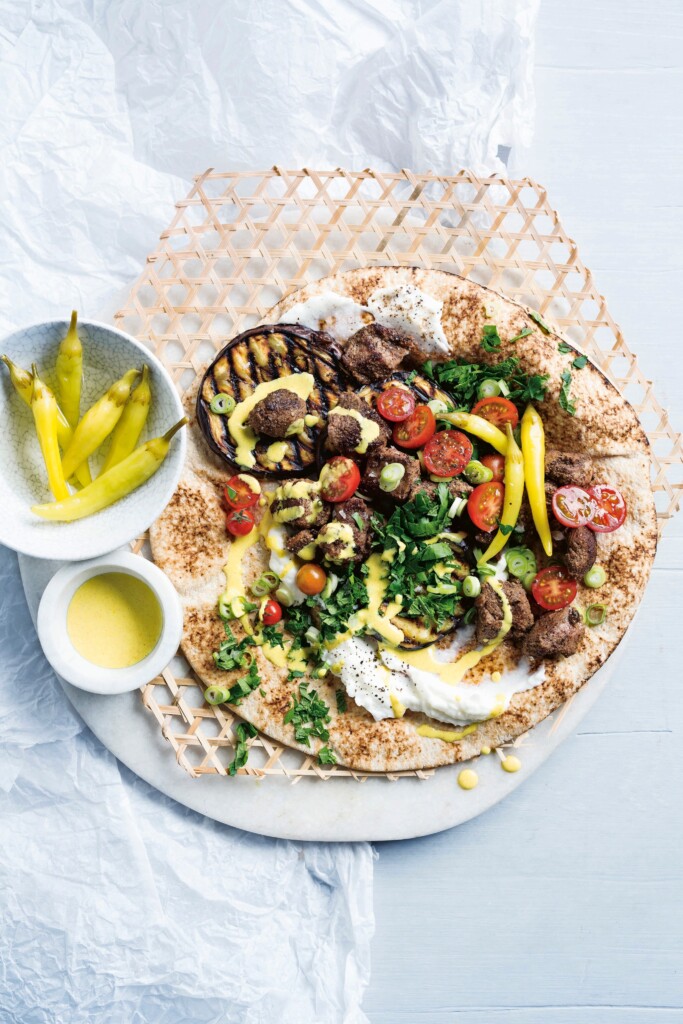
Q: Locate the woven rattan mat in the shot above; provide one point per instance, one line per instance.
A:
(240, 241)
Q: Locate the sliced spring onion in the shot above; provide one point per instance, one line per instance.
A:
(595, 577)
(528, 579)
(267, 582)
(330, 587)
(224, 607)
(477, 473)
(457, 508)
(488, 389)
(595, 614)
(504, 389)
(520, 562)
(216, 695)
(437, 406)
(284, 596)
(312, 635)
(239, 606)
(391, 476)
(469, 615)
(222, 404)
(471, 587)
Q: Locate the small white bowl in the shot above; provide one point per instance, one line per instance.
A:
(63, 656)
(107, 354)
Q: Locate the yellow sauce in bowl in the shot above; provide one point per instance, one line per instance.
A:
(114, 620)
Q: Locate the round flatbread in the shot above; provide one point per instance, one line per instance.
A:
(190, 544)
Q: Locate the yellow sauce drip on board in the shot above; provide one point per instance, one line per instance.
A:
(485, 750)
(114, 620)
(468, 779)
(511, 763)
(447, 735)
(369, 430)
(301, 384)
(455, 671)
(277, 451)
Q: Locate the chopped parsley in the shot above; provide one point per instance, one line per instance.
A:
(326, 756)
(340, 696)
(564, 348)
(565, 401)
(419, 569)
(358, 520)
(461, 379)
(244, 731)
(505, 529)
(411, 377)
(522, 334)
(539, 320)
(332, 618)
(232, 653)
(309, 715)
(490, 339)
(580, 362)
(273, 636)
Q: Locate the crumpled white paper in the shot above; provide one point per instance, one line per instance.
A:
(116, 903)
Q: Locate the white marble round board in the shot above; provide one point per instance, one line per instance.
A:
(339, 809)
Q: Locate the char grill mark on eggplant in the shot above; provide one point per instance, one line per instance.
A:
(249, 360)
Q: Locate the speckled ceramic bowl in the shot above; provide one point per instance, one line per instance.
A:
(107, 354)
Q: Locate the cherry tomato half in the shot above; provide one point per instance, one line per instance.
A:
(271, 612)
(447, 453)
(396, 404)
(553, 588)
(498, 411)
(239, 522)
(311, 579)
(339, 478)
(238, 494)
(485, 505)
(496, 463)
(611, 510)
(416, 430)
(573, 506)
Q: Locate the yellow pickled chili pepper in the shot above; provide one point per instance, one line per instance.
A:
(129, 428)
(69, 370)
(512, 502)
(44, 409)
(533, 450)
(23, 385)
(478, 426)
(116, 483)
(98, 422)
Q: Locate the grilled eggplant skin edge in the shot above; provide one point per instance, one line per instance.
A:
(312, 349)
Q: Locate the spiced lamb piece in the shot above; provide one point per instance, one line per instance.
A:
(298, 504)
(457, 488)
(370, 484)
(582, 550)
(346, 538)
(345, 432)
(298, 542)
(555, 635)
(565, 468)
(373, 353)
(275, 414)
(490, 612)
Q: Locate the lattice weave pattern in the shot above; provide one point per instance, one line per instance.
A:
(240, 241)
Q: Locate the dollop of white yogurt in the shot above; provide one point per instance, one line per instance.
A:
(283, 563)
(337, 314)
(412, 311)
(372, 676)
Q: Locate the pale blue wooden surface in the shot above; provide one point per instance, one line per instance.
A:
(564, 905)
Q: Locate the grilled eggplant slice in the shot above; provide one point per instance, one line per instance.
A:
(264, 354)
(416, 637)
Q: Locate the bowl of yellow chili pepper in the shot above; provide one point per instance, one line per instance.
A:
(92, 446)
